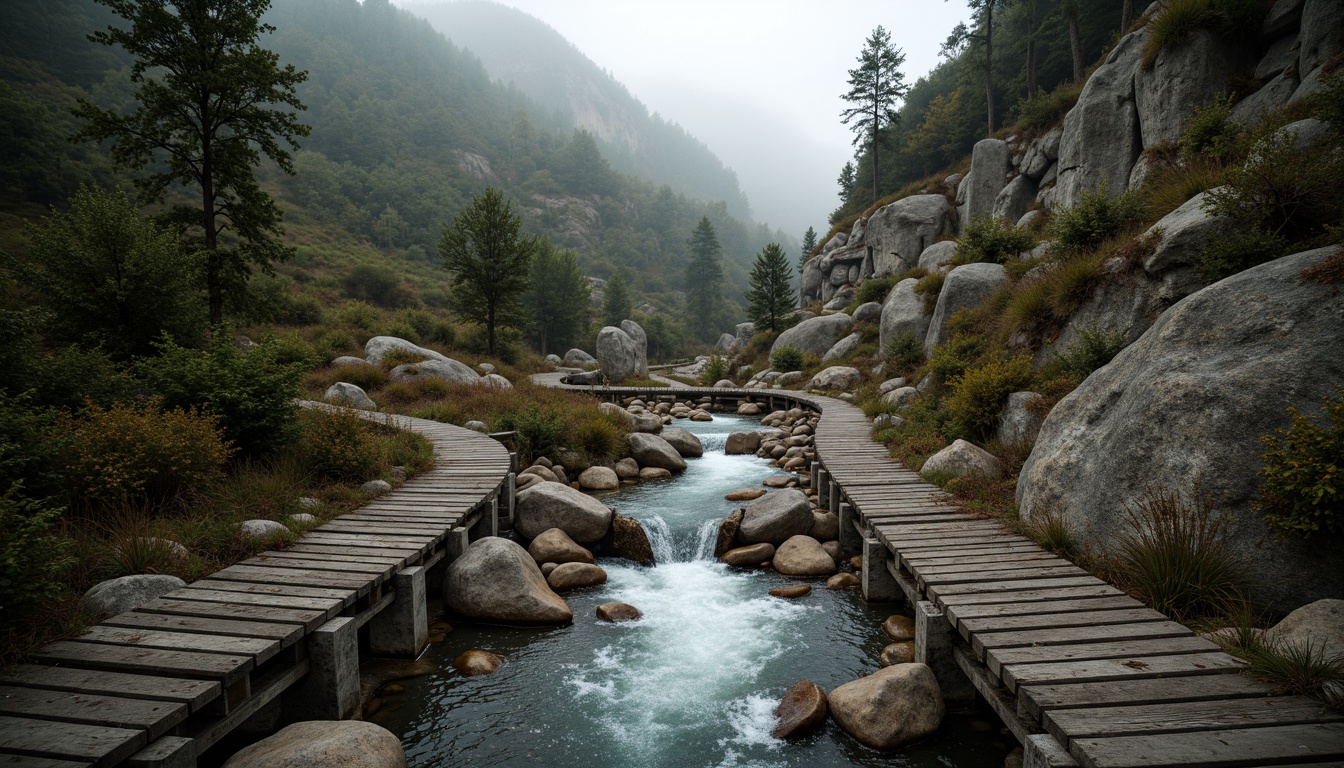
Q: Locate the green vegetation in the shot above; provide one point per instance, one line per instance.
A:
(876, 288)
(1233, 19)
(1307, 669)
(557, 296)
(874, 88)
(978, 395)
(615, 300)
(1093, 349)
(1211, 132)
(771, 300)
(809, 245)
(787, 358)
(904, 353)
(991, 239)
(704, 276)
(1097, 217)
(1302, 481)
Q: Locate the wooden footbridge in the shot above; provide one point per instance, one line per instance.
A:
(1080, 672)
(157, 686)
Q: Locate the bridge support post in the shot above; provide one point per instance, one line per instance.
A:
(850, 539)
(933, 646)
(458, 540)
(510, 501)
(876, 582)
(1042, 751)
(834, 498)
(402, 629)
(823, 486)
(330, 690)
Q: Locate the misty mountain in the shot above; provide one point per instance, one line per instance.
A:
(522, 50)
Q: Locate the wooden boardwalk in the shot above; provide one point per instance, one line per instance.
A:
(1082, 673)
(156, 686)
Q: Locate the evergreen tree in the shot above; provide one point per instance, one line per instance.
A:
(874, 88)
(846, 183)
(963, 37)
(770, 298)
(809, 245)
(557, 296)
(204, 119)
(704, 280)
(489, 262)
(616, 304)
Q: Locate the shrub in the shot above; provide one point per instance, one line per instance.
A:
(366, 377)
(291, 348)
(378, 284)
(951, 358)
(1054, 531)
(1212, 131)
(337, 445)
(1096, 217)
(429, 328)
(1093, 349)
(991, 239)
(32, 556)
(715, 370)
(251, 392)
(29, 448)
(1169, 186)
(131, 452)
(1176, 555)
(359, 314)
(1227, 253)
(302, 309)
(904, 352)
(978, 394)
(1302, 481)
(1304, 668)
(600, 436)
(1049, 108)
(787, 358)
(538, 430)
(875, 289)
(1178, 20)
(929, 286)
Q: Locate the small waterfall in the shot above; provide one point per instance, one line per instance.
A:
(712, 443)
(660, 539)
(709, 536)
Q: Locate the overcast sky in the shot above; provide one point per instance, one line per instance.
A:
(759, 81)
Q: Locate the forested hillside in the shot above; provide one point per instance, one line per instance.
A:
(407, 127)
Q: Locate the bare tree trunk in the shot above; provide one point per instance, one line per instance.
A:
(1126, 16)
(875, 141)
(989, 64)
(1076, 46)
(1031, 49)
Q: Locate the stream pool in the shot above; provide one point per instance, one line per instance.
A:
(693, 683)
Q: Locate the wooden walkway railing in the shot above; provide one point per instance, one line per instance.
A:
(157, 686)
(1082, 673)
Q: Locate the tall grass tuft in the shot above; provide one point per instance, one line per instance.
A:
(1305, 668)
(1176, 555)
(1054, 532)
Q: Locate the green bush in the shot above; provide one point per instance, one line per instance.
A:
(978, 394)
(359, 314)
(951, 358)
(715, 370)
(1302, 481)
(929, 286)
(428, 327)
(1234, 20)
(904, 352)
(291, 348)
(875, 289)
(1048, 109)
(302, 309)
(1096, 217)
(377, 284)
(1093, 349)
(133, 452)
(29, 447)
(538, 431)
(1227, 253)
(32, 556)
(787, 358)
(1211, 132)
(992, 239)
(337, 445)
(600, 436)
(251, 392)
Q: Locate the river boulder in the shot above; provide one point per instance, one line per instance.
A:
(554, 546)
(749, 556)
(569, 576)
(817, 335)
(1186, 407)
(599, 479)
(654, 451)
(685, 443)
(627, 539)
(740, 443)
(475, 663)
(801, 711)
(775, 517)
(346, 743)
(615, 613)
(496, 580)
(553, 505)
(893, 706)
(802, 556)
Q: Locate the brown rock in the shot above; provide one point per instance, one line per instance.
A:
(497, 580)
(856, 562)
(803, 556)
(628, 540)
(347, 743)
(599, 479)
(898, 653)
(891, 707)
(801, 711)
(779, 481)
(749, 556)
(832, 548)
(746, 494)
(654, 473)
(555, 546)
(742, 443)
(543, 472)
(825, 526)
(797, 590)
(569, 576)
(843, 581)
(728, 533)
(899, 628)
(546, 568)
(627, 469)
(476, 662)
(617, 612)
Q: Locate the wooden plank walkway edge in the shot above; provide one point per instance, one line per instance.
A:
(160, 684)
(1079, 671)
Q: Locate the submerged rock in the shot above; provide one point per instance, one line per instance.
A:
(898, 653)
(796, 590)
(618, 612)
(627, 539)
(749, 556)
(746, 494)
(801, 711)
(476, 662)
(899, 628)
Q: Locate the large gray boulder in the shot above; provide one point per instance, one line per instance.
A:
(379, 347)
(496, 580)
(1185, 407)
(312, 743)
(345, 393)
(1252, 110)
(989, 172)
(1020, 420)
(1182, 78)
(965, 459)
(1182, 235)
(842, 347)
(1101, 133)
(128, 592)
(617, 353)
(1015, 198)
(445, 369)
(654, 451)
(868, 312)
(893, 706)
(1322, 34)
(811, 282)
(965, 287)
(775, 517)
(836, 377)
(577, 358)
(549, 505)
(817, 335)
(899, 232)
(1319, 625)
(686, 444)
(725, 342)
(742, 335)
(641, 339)
(903, 313)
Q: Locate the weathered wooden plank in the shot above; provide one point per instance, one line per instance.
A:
(155, 717)
(291, 590)
(997, 658)
(1100, 589)
(968, 575)
(1069, 724)
(1011, 584)
(1038, 699)
(26, 761)
(386, 562)
(153, 661)
(353, 570)
(97, 744)
(1092, 633)
(961, 612)
(1220, 748)
(329, 606)
(194, 693)
(258, 648)
(310, 620)
(299, 576)
(285, 634)
(406, 555)
(1101, 670)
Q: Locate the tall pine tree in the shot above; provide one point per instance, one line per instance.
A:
(809, 245)
(873, 90)
(616, 303)
(770, 299)
(704, 280)
(558, 297)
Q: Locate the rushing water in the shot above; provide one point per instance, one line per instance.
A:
(693, 683)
